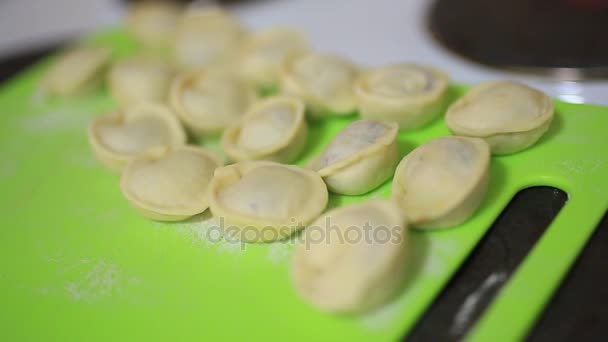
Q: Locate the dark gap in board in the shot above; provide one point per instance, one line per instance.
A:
(490, 265)
(578, 310)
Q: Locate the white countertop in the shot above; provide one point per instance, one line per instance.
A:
(369, 32)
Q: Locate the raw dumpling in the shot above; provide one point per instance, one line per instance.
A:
(152, 23)
(325, 82)
(274, 129)
(356, 265)
(207, 37)
(140, 79)
(169, 184)
(441, 183)
(76, 71)
(359, 158)
(118, 137)
(264, 53)
(509, 116)
(411, 95)
(265, 201)
(210, 99)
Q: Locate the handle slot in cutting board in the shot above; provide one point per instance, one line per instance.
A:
(578, 309)
(490, 265)
(523, 298)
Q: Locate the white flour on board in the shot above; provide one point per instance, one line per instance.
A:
(232, 247)
(434, 259)
(59, 119)
(434, 265)
(87, 280)
(206, 230)
(82, 159)
(280, 251)
(437, 256)
(198, 231)
(580, 167)
(38, 98)
(386, 315)
(469, 306)
(102, 279)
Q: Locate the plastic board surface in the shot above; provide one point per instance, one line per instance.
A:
(78, 263)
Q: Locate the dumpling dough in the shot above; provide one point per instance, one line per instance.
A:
(409, 94)
(210, 99)
(274, 129)
(118, 137)
(152, 23)
(325, 82)
(508, 115)
(76, 71)
(169, 184)
(442, 182)
(359, 158)
(264, 53)
(356, 265)
(140, 79)
(265, 201)
(207, 37)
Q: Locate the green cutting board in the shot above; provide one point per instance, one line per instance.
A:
(78, 263)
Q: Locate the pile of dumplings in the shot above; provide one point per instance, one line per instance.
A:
(201, 74)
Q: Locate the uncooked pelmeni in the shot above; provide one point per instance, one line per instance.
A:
(409, 94)
(357, 263)
(265, 201)
(140, 79)
(210, 99)
(152, 23)
(325, 82)
(441, 183)
(207, 37)
(359, 158)
(118, 137)
(169, 184)
(263, 54)
(510, 116)
(273, 129)
(75, 71)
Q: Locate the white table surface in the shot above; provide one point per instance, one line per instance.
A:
(371, 32)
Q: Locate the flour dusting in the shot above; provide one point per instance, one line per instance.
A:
(434, 260)
(434, 266)
(83, 160)
(385, 316)
(438, 256)
(201, 229)
(206, 230)
(468, 308)
(52, 121)
(101, 279)
(280, 251)
(87, 280)
(580, 167)
(38, 98)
